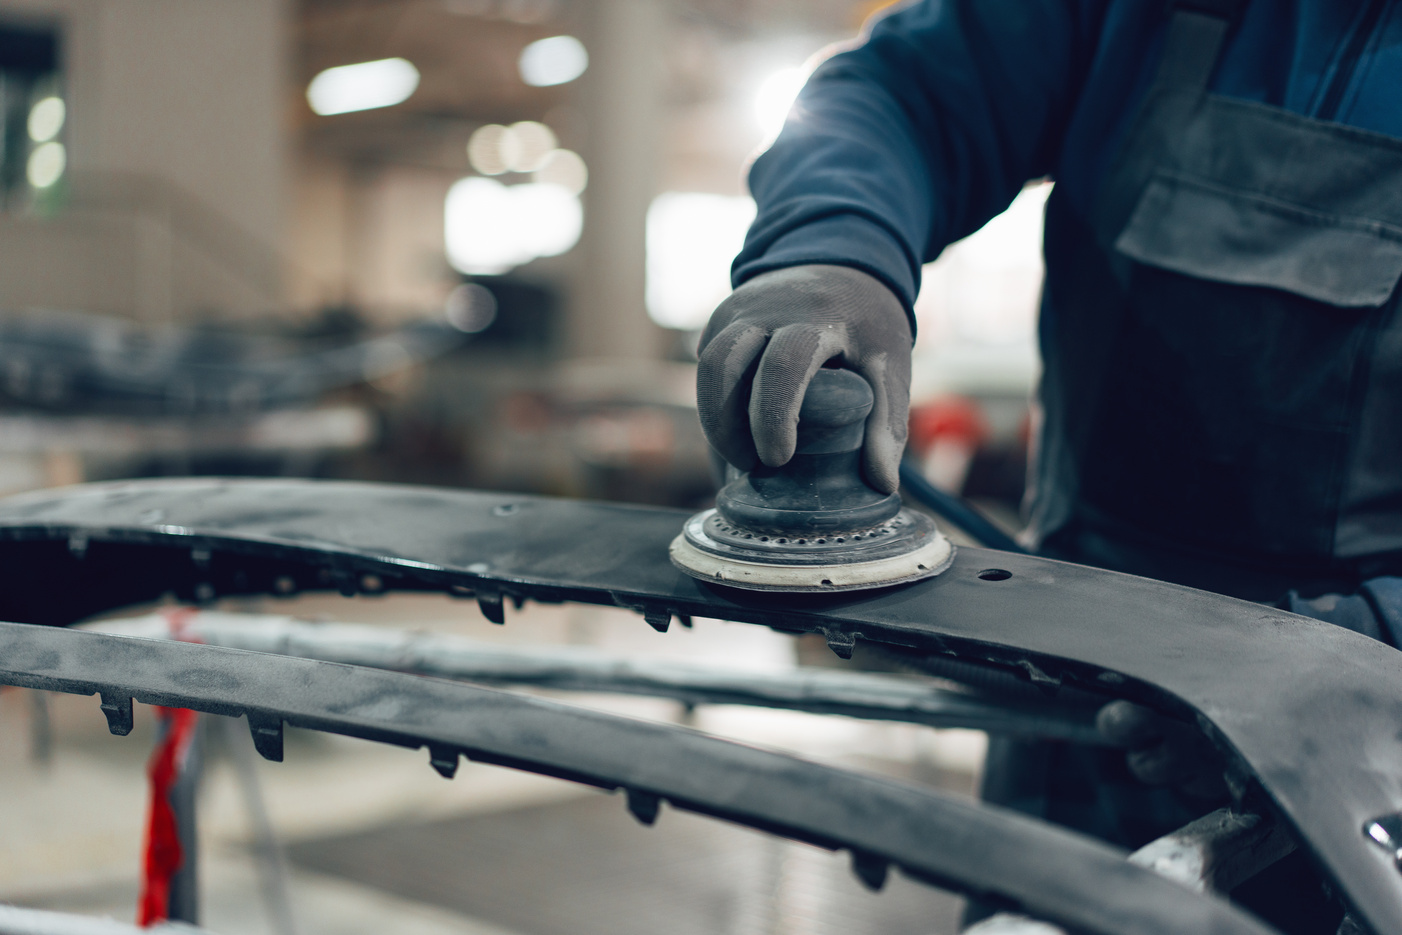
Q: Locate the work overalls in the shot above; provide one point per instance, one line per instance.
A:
(1223, 382)
(1223, 378)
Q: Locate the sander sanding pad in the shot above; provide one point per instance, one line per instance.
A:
(906, 548)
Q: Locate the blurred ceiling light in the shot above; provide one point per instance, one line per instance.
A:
(46, 119)
(521, 147)
(775, 98)
(489, 228)
(46, 164)
(565, 168)
(526, 144)
(484, 149)
(482, 234)
(471, 308)
(557, 60)
(691, 240)
(554, 214)
(364, 86)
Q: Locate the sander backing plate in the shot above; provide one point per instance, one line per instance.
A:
(908, 548)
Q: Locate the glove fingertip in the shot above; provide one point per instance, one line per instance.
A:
(881, 462)
(775, 445)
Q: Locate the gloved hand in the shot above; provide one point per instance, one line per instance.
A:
(764, 343)
(1162, 751)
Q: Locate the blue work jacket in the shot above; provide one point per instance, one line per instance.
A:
(1223, 356)
(932, 124)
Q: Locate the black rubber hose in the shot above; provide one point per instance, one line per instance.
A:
(956, 510)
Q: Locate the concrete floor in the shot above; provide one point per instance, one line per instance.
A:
(380, 843)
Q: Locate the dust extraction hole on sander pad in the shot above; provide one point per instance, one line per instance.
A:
(814, 525)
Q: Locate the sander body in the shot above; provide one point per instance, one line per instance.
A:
(813, 524)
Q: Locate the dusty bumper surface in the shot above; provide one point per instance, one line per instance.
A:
(1309, 710)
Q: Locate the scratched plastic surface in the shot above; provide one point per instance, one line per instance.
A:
(1309, 710)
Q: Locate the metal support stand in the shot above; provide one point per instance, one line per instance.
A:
(272, 862)
(184, 903)
(41, 730)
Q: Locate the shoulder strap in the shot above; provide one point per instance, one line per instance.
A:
(1197, 30)
(1226, 9)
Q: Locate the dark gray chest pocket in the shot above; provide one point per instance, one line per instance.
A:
(1255, 196)
(1265, 247)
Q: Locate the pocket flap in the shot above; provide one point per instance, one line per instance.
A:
(1189, 227)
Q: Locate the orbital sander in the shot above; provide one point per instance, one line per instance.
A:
(813, 525)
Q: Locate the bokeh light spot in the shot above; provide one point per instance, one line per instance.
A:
(363, 86)
(526, 144)
(556, 60)
(565, 168)
(490, 228)
(46, 164)
(46, 119)
(471, 308)
(484, 149)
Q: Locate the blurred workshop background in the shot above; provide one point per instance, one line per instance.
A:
(456, 242)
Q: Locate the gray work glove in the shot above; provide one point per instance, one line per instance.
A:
(764, 343)
(1162, 751)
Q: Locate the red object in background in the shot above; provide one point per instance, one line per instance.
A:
(947, 418)
(162, 855)
(945, 433)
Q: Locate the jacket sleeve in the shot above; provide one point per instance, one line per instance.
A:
(919, 135)
(1375, 610)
